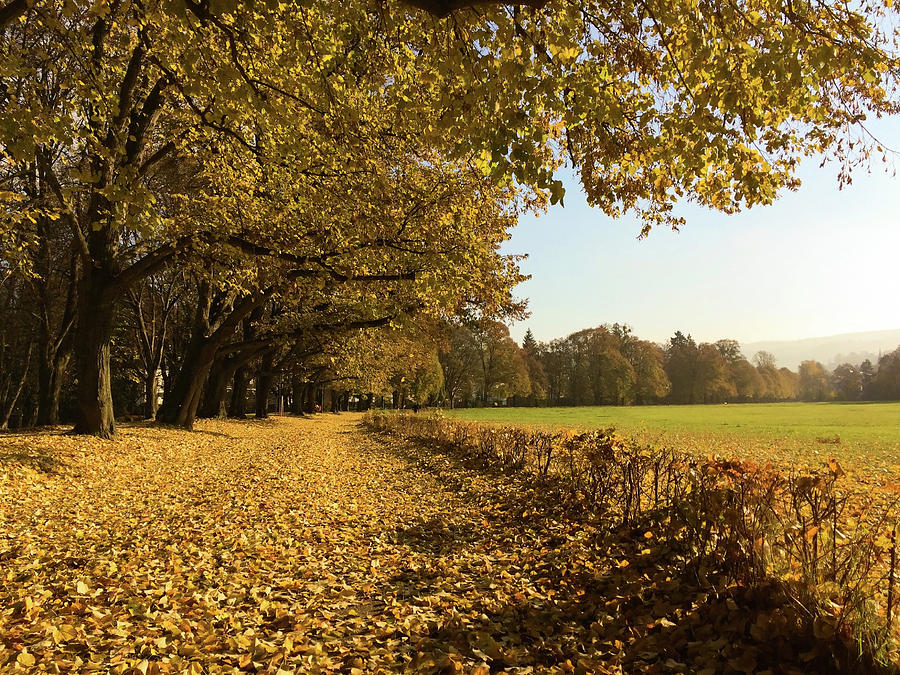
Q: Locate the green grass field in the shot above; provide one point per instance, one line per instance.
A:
(864, 435)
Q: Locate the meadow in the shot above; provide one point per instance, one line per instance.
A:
(861, 435)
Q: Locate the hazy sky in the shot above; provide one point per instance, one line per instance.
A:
(820, 261)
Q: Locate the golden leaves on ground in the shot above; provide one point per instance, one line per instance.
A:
(304, 545)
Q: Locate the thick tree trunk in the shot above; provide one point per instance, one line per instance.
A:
(264, 381)
(96, 313)
(298, 393)
(237, 406)
(309, 403)
(263, 389)
(215, 390)
(182, 400)
(180, 403)
(59, 374)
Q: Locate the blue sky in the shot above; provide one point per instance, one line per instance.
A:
(820, 261)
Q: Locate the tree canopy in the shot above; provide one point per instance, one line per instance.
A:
(365, 159)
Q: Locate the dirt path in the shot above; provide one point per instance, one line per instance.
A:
(298, 545)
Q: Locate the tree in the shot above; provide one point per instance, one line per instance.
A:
(556, 364)
(617, 379)
(681, 368)
(151, 305)
(503, 371)
(529, 344)
(16, 350)
(730, 350)
(713, 383)
(764, 360)
(848, 382)
(779, 384)
(886, 383)
(652, 383)
(460, 362)
(814, 382)
(867, 375)
(746, 381)
(165, 130)
(531, 353)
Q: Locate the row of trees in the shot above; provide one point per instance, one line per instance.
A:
(212, 189)
(853, 382)
(192, 197)
(609, 365)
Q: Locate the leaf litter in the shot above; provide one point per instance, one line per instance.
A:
(309, 546)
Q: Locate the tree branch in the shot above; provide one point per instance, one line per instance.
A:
(443, 8)
(150, 263)
(12, 11)
(67, 212)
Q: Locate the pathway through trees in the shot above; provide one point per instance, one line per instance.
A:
(307, 545)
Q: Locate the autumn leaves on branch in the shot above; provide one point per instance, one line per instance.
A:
(304, 172)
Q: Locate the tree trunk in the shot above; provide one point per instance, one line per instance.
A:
(59, 374)
(45, 375)
(214, 393)
(180, 403)
(298, 392)
(310, 392)
(96, 314)
(237, 406)
(150, 396)
(50, 380)
(11, 404)
(264, 382)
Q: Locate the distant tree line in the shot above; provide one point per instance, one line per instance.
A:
(609, 365)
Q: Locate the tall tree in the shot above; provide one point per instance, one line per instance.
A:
(681, 368)
(460, 361)
(848, 382)
(814, 381)
(531, 353)
(886, 383)
(651, 384)
(503, 370)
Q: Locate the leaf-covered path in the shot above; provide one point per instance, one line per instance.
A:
(307, 545)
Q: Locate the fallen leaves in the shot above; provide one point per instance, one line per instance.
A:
(307, 546)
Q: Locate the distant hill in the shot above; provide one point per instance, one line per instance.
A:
(831, 350)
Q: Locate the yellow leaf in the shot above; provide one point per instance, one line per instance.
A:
(25, 659)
